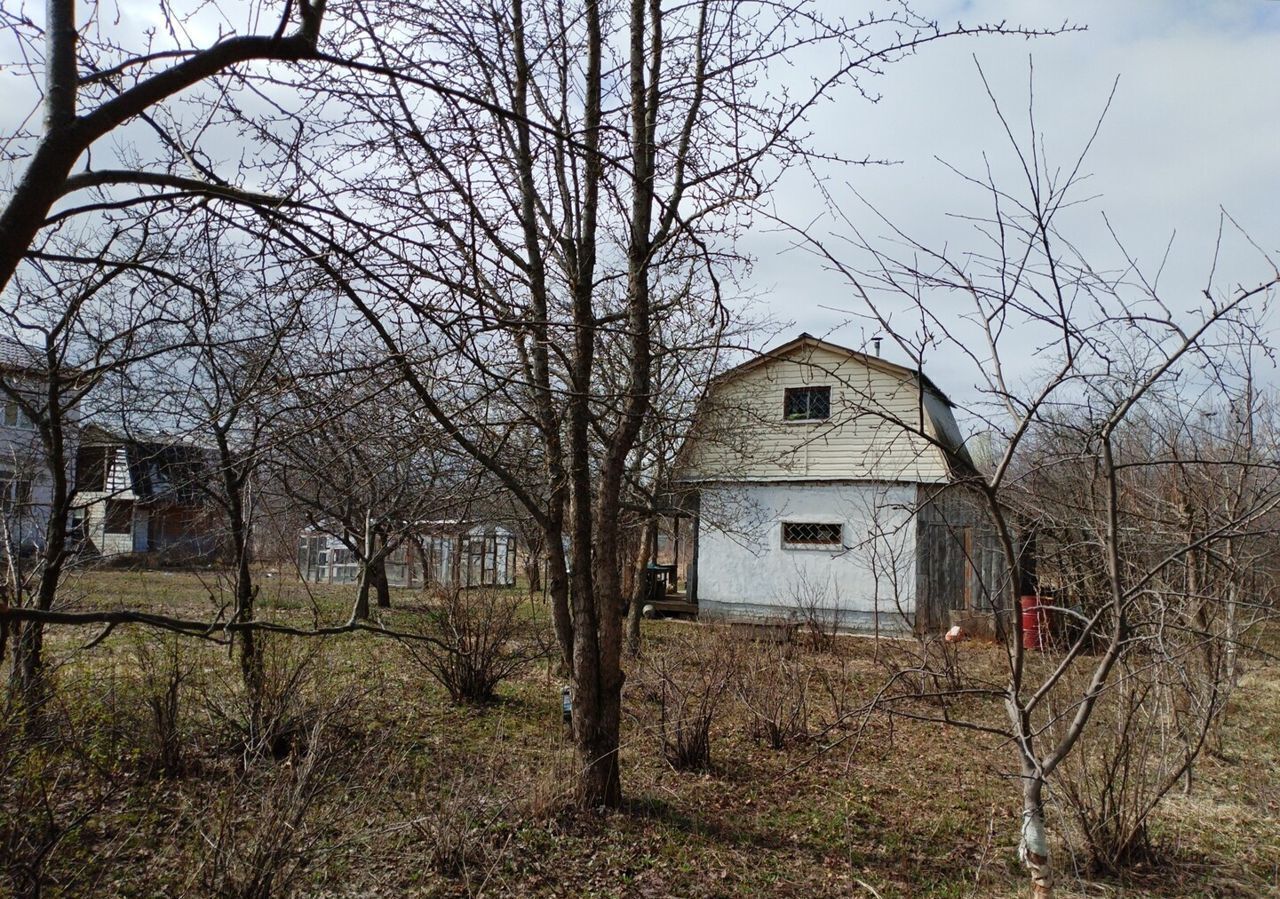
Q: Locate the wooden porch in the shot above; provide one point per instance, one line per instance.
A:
(672, 605)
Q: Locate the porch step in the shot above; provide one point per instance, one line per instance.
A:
(674, 604)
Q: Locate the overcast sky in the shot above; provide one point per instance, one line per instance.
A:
(1195, 125)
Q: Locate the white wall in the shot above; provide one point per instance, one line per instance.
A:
(22, 457)
(744, 571)
(95, 523)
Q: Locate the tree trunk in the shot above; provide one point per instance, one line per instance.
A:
(533, 571)
(381, 585)
(367, 576)
(596, 494)
(251, 669)
(1034, 847)
(360, 611)
(57, 151)
(558, 566)
(648, 550)
(602, 668)
(234, 483)
(596, 734)
(1231, 634)
(597, 668)
(631, 547)
(28, 682)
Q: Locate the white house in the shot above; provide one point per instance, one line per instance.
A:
(824, 482)
(26, 484)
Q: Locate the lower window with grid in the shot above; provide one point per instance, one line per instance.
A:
(811, 535)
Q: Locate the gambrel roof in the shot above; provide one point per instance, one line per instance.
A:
(807, 341)
(886, 422)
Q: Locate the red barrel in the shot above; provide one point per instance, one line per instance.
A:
(1035, 623)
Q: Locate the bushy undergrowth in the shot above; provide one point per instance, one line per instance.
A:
(278, 722)
(473, 640)
(1143, 741)
(59, 781)
(689, 681)
(263, 847)
(165, 672)
(146, 783)
(773, 688)
(456, 817)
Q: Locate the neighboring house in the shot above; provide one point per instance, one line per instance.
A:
(26, 485)
(449, 553)
(821, 482)
(142, 495)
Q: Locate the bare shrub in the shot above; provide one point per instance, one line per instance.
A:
(30, 827)
(816, 611)
(278, 722)
(456, 819)
(1145, 736)
(773, 687)
(263, 850)
(688, 679)
(476, 639)
(924, 667)
(163, 672)
(838, 684)
(52, 785)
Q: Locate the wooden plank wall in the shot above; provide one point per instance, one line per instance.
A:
(959, 562)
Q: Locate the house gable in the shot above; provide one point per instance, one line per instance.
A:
(765, 421)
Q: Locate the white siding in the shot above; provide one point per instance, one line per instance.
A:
(22, 459)
(119, 487)
(742, 434)
(95, 525)
(744, 571)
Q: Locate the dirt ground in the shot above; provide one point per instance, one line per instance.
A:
(384, 788)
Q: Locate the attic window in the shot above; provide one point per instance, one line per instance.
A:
(807, 404)
(811, 535)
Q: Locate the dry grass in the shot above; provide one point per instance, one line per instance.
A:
(907, 810)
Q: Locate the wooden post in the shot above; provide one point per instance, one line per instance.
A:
(675, 560)
(691, 576)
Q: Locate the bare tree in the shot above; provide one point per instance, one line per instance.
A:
(74, 327)
(503, 235)
(1079, 462)
(91, 85)
(363, 465)
(597, 153)
(222, 387)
